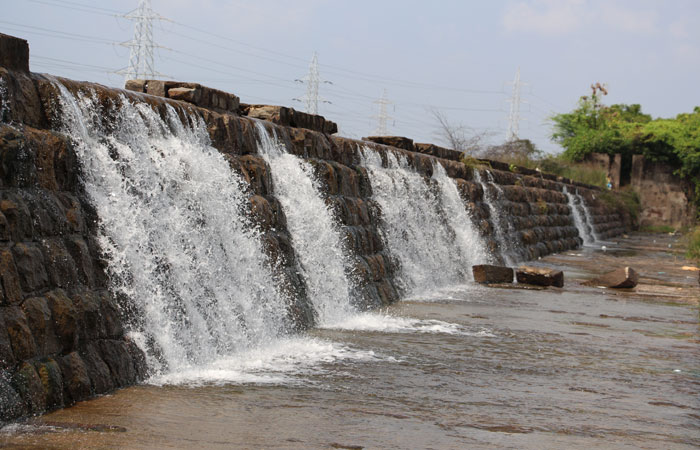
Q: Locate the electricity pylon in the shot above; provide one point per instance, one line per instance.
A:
(141, 65)
(312, 81)
(514, 117)
(383, 117)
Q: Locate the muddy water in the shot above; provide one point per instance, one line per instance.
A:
(474, 367)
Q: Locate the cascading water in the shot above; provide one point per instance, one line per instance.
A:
(172, 225)
(315, 236)
(582, 221)
(578, 219)
(414, 227)
(459, 219)
(588, 216)
(497, 219)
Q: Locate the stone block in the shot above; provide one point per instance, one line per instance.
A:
(624, 277)
(539, 276)
(17, 159)
(19, 333)
(30, 266)
(65, 318)
(7, 356)
(80, 253)
(51, 381)
(14, 53)
(100, 376)
(28, 385)
(76, 381)
(393, 141)
(276, 114)
(9, 278)
(190, 95)
(115, 354)
(40, 322)
(11, 404)
(60, 266)
(135, 85)
(486, 274)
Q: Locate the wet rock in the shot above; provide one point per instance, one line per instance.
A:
(98, 372)
(486, 274)
(12, 291)
(117, 357)
(625, 277)
(7, 357)
(11, 404)
(30, 266)
(51, 381)
(65, 317)
(539, 276)
(76, 382)
(19, 333)
(40, 322)
(28, 385)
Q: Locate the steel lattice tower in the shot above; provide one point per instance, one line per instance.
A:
(383, 117)
(514, 117)
(141, 65)
(312, 81)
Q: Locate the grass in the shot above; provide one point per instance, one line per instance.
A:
(693, 239)
(658, 229)
(581, 172)
(622, 199)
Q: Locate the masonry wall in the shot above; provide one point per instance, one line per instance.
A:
(62, 336)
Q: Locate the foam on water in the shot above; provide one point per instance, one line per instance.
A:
(289, 360)
(385, 323)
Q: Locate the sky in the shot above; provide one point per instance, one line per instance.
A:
(456, 57)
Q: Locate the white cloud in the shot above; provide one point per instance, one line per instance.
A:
(548, 17)
(552, 17)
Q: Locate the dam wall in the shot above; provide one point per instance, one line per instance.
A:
(70, 327)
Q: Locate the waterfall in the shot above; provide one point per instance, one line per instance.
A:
(583, 221)
(315, 236)
(588, 216)
(459, 219)
(498, 219)
(414, 227)
(174, 230)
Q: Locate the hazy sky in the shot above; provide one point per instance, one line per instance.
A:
(455, 56)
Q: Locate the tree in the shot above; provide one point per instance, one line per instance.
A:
(458, 136)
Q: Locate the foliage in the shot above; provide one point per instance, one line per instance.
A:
(625, 129)
(622, 200)
(472, 162)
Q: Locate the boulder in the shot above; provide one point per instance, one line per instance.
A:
(539, 276)
(624, 277)
(393, 141)
(486, 274)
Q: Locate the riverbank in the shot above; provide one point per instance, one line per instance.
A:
(464, 367)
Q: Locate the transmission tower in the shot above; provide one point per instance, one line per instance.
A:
(141, 65)
(383, 117)
(514, 117)
(312, 81)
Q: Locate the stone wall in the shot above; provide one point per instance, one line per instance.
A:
(62, 335)
(665, 199)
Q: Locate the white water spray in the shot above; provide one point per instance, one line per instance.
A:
(173, 228)
(315, 235)
(414, 227)
(583, 221)
(497, 217)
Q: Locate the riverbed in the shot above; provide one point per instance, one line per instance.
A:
(464, 367)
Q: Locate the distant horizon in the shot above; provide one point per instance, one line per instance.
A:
(458, 59)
